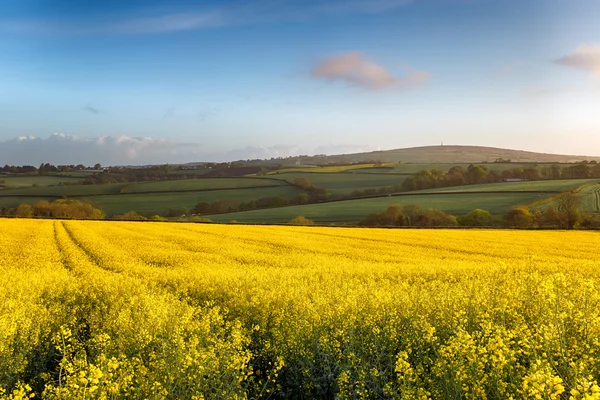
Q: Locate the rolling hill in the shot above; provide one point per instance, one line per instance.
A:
(444, 154)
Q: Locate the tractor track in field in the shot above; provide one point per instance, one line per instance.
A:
(61, 249)
(597, 199)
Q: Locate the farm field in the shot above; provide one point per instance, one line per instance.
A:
(589, 196)
(342, 184)
(353, 211)
(164, 310)
(67, 191)
(200, 184)
(325, 169)
(559, 185)
(23, 181)
(158, 203)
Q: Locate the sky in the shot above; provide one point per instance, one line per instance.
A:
(148, 81)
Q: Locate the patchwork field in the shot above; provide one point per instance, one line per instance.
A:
(165, 310)
(342, 184)
(21, 181)
(354, 211)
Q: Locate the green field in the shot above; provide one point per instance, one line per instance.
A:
(200, 184)
(407, 168)
(589, 198)
(325, 169)
(341, 184)
(23, 181)
(66, 191)
(12, 202)
(353, 211)
(560, 185)
(159, 203)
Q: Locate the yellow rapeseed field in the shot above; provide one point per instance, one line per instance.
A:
(126, 310)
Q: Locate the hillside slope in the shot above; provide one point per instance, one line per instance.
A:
(445, 154)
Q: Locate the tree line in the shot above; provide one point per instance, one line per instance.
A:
(566, 215)
(477, 174)
(62, 208)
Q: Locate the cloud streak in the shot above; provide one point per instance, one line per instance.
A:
(238, 13)
(91, 109)
(355, 69)
(585, 57)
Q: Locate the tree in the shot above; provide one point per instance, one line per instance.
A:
(300, 220)
(24, 211)
(519, 217)
(304, 183)
(432, 217)
(201, 208)
(549, 218)
(130, 216)
(476, 217)
(303, 198)
(568, 207)
(476, 174)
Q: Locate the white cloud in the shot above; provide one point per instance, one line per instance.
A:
(61, 148)
(355, 69)
(585, 57)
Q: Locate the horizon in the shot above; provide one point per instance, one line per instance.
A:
(151, 82)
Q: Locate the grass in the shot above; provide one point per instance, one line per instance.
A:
(66, 191)
(12, 202)
(408, 168)
(589, 196)
(159, 203)
(326, 169)
(340, 184)
(200, 184)
(353, 211)
(544, 186)
(22, 181)
(447, 154)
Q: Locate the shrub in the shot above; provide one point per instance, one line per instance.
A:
(477, 217)
(519, 217)
(300, 220)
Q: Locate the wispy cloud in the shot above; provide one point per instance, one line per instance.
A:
(238, 13)
(91, 109)
(169, 113)
(355, 69)
(585, 57)
(545, 92)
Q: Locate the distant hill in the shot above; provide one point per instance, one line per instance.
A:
(444, 154)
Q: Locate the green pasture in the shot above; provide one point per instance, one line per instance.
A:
(326, 169)
(560, 185)
(190, 172)
(23, 181)
(13, 202)
(353, 211)
(160, 203)
(200, 184)
(341, 184)
(589, 199)
(66, 191)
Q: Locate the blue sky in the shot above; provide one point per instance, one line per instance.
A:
(278, 77)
